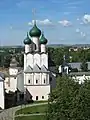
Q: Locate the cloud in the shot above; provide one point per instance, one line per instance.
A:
(83, 34)
(86, 18)
(67, 13)
(11, 27)
(41, 22)
(77, 30)
(65, 23)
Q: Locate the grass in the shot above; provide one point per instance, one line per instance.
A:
(39, 117)
(32, 110)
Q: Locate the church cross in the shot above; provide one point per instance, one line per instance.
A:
(34, 12)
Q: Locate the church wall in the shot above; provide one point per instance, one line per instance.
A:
(27, 48)
(36, 42)
(13, 84)
(29, 60)
(44, 60)
(29, 79)
(7, 83)
(37, 59)
(2, 94)
(13, 71)
(41, 91)
(45, 78)
(20, 81)
(25, 61)
(37, 78)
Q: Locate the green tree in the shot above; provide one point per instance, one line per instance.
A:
(69, 101)
(84, 66)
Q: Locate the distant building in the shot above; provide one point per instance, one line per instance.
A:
(66, 69)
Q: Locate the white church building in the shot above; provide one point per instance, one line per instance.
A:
(35, 80)
(1, 91)
(36, 72)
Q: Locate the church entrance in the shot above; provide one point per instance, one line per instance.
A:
(36, 97)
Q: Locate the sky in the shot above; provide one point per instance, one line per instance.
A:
(63, 21)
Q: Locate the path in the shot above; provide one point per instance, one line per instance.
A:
(9, 114)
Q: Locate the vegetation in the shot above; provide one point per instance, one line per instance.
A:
(39, 117)
(55, 55)
(84, 66)
(33, 109)
(70, 100)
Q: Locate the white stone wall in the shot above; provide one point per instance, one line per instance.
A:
(36, 42)
(7, 83)
(37, 59)
(29, 60)
(25, 61)
(27, 48)
(45, 78)
(12, 84)
(43, 48)
(28, 77)
(44, 60)
(13, 71)
(40, 91)
(2, 94)
(42, 79)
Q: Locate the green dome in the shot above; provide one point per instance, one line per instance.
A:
(43, 40)
(27, 40)
(35, 31)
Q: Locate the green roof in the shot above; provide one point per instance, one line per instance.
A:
(43, 40)
(35, 31)
(27, 40)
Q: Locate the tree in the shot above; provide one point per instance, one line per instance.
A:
(84, 66)
(69, 100)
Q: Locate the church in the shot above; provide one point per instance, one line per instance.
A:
(35, 80)
(36, 72)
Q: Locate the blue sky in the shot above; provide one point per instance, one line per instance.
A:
(63, 21)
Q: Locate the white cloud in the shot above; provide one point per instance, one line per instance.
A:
(78, 19)
(77, 30)
(11, 27)
(86, 18)
(41, 22)
(65, 23)
(83, 34)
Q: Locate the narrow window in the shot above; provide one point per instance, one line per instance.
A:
(44, 80)
(36, 97)
(36, 81)
(28, 81)
(42, 97)
(50, 78)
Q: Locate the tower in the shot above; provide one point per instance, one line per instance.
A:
(36, 73)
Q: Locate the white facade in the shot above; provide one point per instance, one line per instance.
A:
(43, 48)
(1, 93)
(11, 78)
(81, 78)
(36, 73)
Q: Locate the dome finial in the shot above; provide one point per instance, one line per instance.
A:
(34, 11)
(27, 34)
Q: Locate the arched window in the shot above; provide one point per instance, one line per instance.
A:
(44, 80)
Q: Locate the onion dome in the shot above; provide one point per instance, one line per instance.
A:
(35, 31)
(27, 40)
(43, 40)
